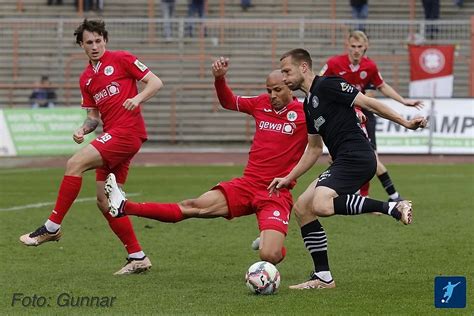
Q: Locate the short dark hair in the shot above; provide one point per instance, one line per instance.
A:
(92, 26)
(299, 55)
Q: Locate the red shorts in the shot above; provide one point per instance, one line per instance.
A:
(245, 198)
(117, 150)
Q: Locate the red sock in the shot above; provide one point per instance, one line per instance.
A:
(169, 213)
(68, 192)
(364, 190)
(122, 227)
(283, 253)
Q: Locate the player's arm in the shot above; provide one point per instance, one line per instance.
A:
(89, 125)
(311, 155)
(226, 96)
(385, 111)
(152, 85)
(389, 92)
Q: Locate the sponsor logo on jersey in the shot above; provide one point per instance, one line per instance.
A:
(342, 73)
(88, 81)
(345, 87)
(286, 128)
(291, 116)
(315, 101)
(276, 213)
(108, 70)
(323, 70)
(108, 91)
(140, 65)
(363, 74)
(319, 122)
(267, 110)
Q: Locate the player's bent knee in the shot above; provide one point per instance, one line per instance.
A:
(273, 256)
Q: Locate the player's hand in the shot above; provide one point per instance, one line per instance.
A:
(414, 103)
(131, 104)
(78, 135)
(417, 122)
(220, 67)
(361, 116)
(277, 184)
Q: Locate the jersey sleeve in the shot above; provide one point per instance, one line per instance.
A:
(376, 79)
(230, 101)
(87, 101)
(338, 91)
(134, 67)
(310, 125)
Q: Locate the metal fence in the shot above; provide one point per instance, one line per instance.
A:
(33, 47)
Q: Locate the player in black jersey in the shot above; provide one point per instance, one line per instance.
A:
(330, 117)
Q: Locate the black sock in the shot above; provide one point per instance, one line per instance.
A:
(353, 204)
(315, 241)
(387, 183)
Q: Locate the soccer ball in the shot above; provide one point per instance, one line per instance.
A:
(262, 278)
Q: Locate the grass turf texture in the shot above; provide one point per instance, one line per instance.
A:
(380, 266)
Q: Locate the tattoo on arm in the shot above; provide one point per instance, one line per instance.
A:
(90, 124)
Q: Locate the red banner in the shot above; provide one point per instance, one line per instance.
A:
(431, 61)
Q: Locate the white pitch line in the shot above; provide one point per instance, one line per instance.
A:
(39, 205)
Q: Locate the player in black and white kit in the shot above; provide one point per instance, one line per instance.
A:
(331, 118)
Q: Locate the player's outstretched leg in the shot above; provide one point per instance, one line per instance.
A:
(115, 196)
(352, 204)
(40, 235)
(405, 209)
(314, 282)
(134, 266)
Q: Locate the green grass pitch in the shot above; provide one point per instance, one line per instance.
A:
(380, 266)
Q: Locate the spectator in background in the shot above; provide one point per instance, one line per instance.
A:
(195, 7)
(57, 2)
(360, 11)
(431, 9)
(245, 4)
(167, 12)
(43, 96)
(86, 4)
(99, 5)
(458, 3)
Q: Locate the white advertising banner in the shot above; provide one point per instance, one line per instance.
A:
(6, 143)
(450, 129)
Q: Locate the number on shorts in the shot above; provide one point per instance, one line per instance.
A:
(104, 138)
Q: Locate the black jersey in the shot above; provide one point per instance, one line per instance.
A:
(330, 113)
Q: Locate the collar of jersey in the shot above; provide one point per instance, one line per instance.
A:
(96, 68)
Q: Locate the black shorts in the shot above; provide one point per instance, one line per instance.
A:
(349, 171)
(370, 126)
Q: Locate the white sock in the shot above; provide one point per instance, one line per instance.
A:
(51, 226)
(324, 275)
(394, 196)
(391, 205)
(137, 255)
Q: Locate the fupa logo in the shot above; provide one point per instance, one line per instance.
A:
(450, 292)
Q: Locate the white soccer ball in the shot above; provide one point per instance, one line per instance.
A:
(262, 278)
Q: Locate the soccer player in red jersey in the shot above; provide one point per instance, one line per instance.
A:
(109, 93)
(362, 72)
(279, 142)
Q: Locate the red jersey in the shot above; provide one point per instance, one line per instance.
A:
(108, 84)
(360, 76)
(280, 136)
